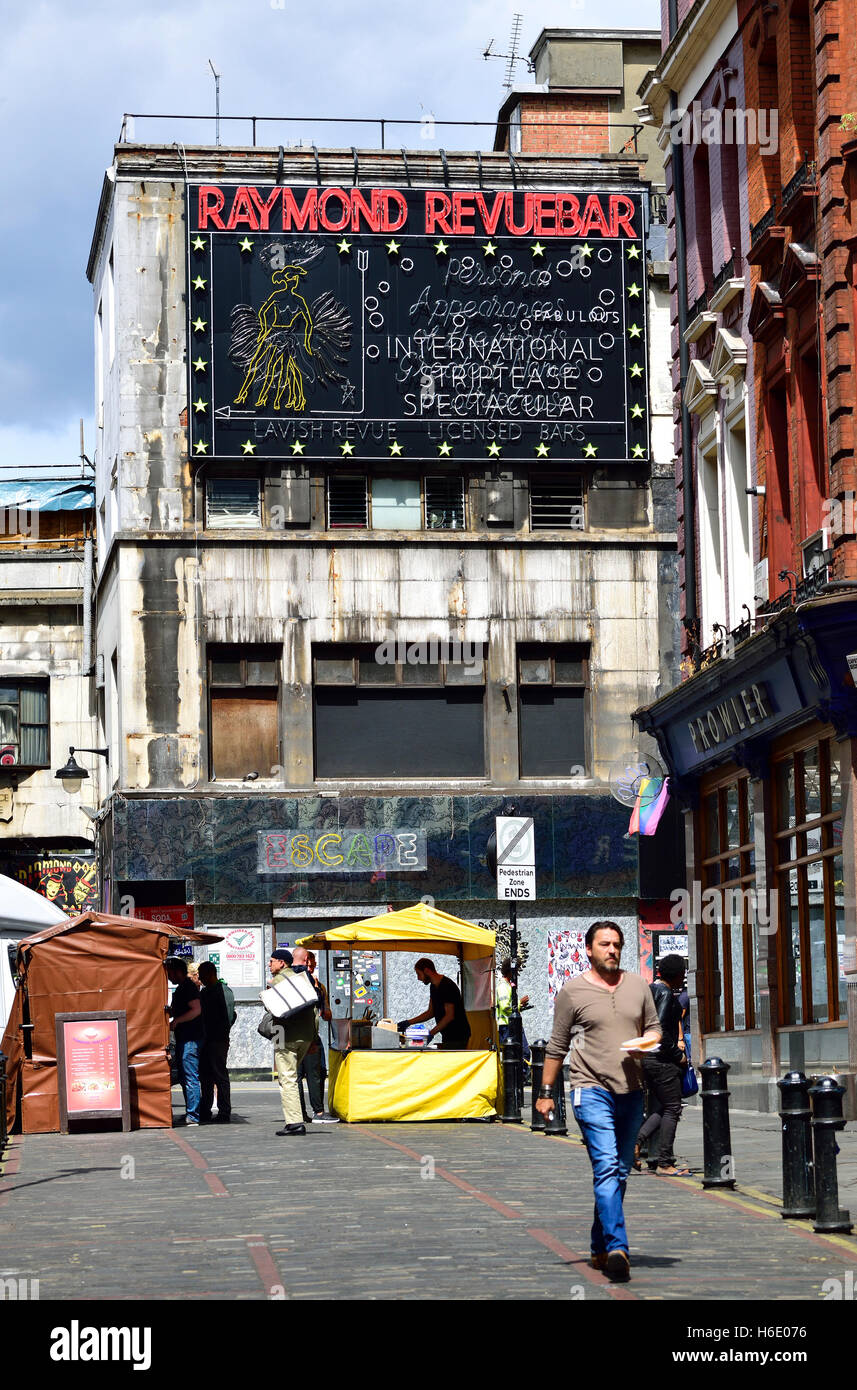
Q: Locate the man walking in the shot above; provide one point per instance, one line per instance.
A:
(663, 1068)
(595, 1014)
(215, 1048)
(186, 1012)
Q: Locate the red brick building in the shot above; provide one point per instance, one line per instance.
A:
(761, 738)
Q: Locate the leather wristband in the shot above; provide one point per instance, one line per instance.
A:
(546, 1093)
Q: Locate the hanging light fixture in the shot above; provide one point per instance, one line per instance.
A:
(73, 775)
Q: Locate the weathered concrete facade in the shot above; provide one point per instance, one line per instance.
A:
(169, 586)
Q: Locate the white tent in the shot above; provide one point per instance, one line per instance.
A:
(22, 912)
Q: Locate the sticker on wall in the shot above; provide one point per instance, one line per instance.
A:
(566, 958)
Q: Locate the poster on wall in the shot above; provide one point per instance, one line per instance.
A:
(68, 880)
(566, 958)
(240, 956)
(390, 323)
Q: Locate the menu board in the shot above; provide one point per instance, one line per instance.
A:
(92, 1057)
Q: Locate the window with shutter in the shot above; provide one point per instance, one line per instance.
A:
(234, 503)
(553, 686)
(556, 503)
(347, 500)
(444, 499)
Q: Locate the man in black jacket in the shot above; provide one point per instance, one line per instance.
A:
(664, 1066)
(215, 1050)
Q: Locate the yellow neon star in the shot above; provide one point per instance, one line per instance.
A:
(633, 291)
(347, 448)
(343, 247)
(586, 250)
(441, 247)
(200, 406)
(199, 283)
(636, 369)
(201, 447)
(199, 325)
(638, 452)
(637, 412)
(493, 449)
(297, 447)
(245, 244)
(198, 244)
(393, 247)
(537, 249)
(634, 331)
(542, 450)
(489, 248)
(395, 449)
(590, 451)
(444, 449)
(633, 253)
(200, 364)
(248, 447)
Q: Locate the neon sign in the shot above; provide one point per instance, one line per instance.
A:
(354, 851)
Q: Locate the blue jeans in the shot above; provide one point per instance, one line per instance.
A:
(187, 1064)
(609, 1124)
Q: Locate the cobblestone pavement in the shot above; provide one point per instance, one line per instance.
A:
(461, 1211)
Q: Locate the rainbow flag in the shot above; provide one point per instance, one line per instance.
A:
(645, 819)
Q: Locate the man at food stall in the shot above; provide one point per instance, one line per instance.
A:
(446, 1007)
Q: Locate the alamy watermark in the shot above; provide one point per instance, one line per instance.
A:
(699, 125)
(709, 907)
(432, 651)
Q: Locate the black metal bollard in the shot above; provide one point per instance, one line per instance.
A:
(557, 1123)
(537, 1062)
(716, 1136)
(827, 1118)
(511, 1083)
(3, 1131)
(798, 1189)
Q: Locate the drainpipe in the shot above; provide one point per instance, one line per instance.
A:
(86, 654)
(690, 595)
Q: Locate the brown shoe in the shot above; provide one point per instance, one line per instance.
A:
(598, 1261)
(618, 1267)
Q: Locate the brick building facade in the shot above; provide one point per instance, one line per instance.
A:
(761, 738)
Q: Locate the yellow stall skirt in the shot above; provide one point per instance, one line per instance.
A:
(412, 1085)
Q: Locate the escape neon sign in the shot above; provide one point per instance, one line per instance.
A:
(354, 851)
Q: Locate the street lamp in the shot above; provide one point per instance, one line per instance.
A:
(73, 775)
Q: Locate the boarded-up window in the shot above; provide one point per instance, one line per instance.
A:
(399, 711)
(244, 691)
(552, 704)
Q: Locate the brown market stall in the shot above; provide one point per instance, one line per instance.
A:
(371, 1080)
(103, 968)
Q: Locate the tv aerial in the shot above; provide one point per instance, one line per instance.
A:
(513, 56)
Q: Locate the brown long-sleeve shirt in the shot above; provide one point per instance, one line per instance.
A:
(593, 1022)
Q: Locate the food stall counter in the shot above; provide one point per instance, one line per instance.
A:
(413, 1084)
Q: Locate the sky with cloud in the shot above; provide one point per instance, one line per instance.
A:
(68, 72)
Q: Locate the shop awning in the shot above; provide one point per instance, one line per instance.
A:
(420, 927)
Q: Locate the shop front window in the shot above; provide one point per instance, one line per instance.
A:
(729, 934)
(808, 839)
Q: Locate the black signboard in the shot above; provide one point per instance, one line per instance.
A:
(364, 323)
